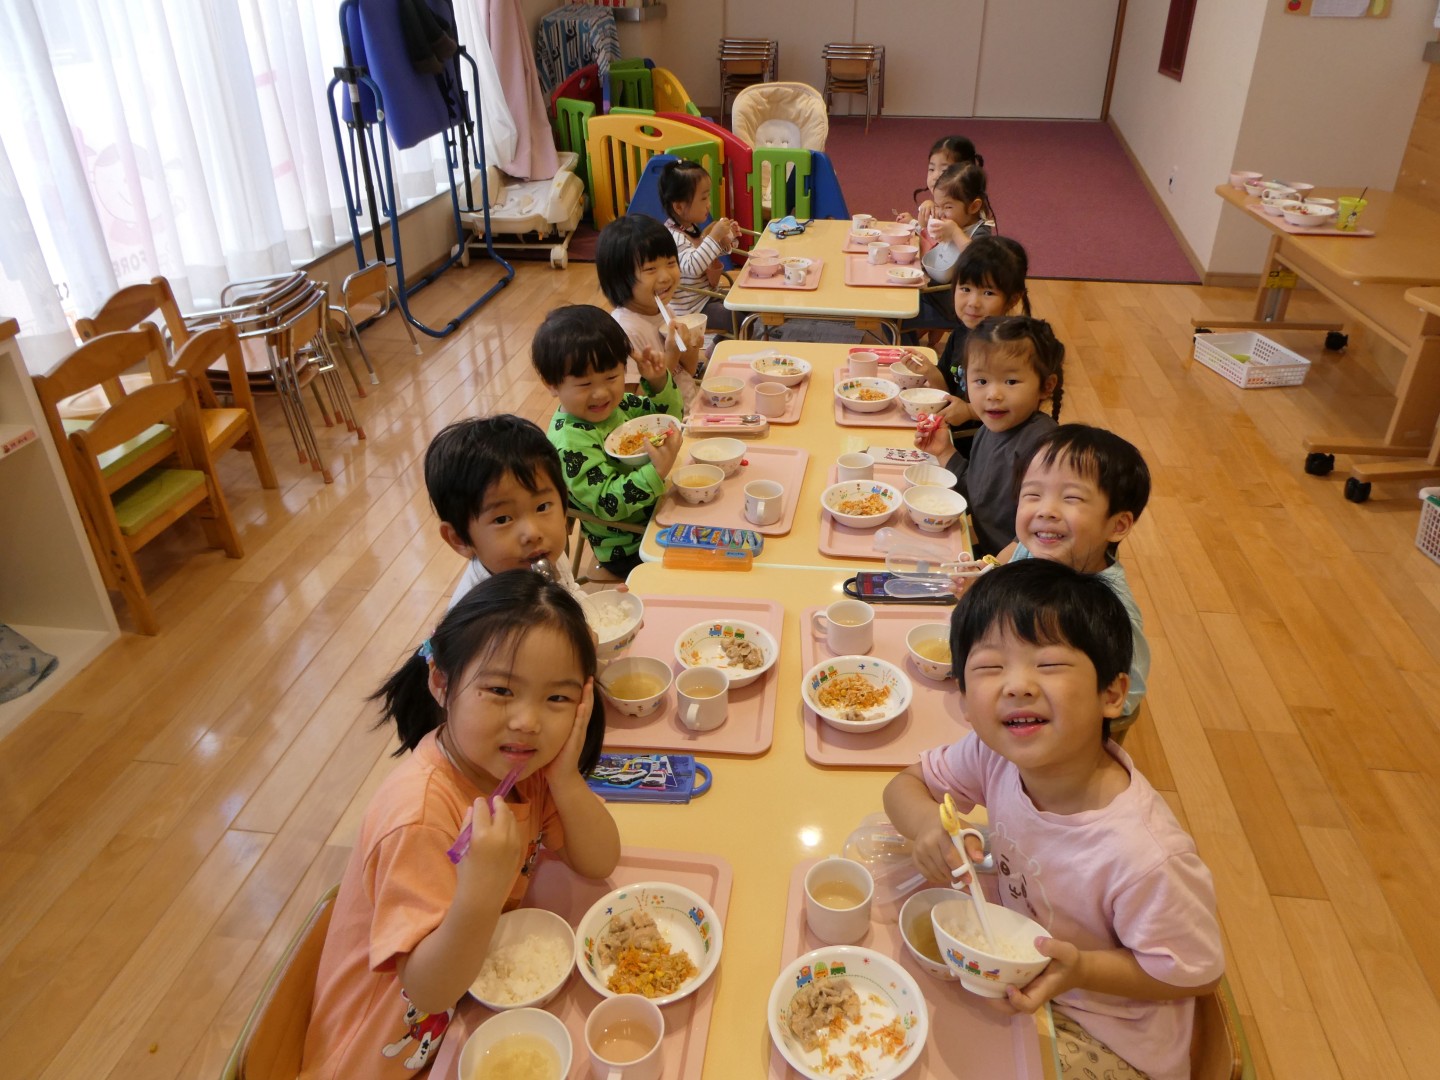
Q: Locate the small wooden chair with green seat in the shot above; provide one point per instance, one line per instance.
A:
(272, 1041)
(130, 512)
(93, 370)
(1218, 1047)
(224, 428)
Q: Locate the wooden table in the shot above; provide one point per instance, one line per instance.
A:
(764, 815)
(826, 440)
(871, 309)
(1373, 280)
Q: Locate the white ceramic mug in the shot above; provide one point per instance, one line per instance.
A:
(772, 398)
(703, 694)
(861, 221)
(832, 882)
(864, 365)
(796, 271)
(879, 252)
(848, 627)
(855, 467)
(764, 502)
(624, 1034)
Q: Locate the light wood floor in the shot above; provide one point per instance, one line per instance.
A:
(170, 816)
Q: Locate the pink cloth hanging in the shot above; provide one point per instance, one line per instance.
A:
(535, 157)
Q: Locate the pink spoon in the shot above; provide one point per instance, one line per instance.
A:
(462, 842)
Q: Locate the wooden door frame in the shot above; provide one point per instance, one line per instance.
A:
(1114, 60)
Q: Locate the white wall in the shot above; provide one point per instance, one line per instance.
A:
(1330, 101)
(1042, 59)
(1191, 126)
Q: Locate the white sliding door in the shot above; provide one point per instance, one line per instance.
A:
(932, 53)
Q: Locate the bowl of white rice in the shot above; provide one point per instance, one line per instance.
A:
(1011, 959)
(616, 617)
(532, 953)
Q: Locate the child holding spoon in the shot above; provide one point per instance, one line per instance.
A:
(1082, 843)
(504, 685)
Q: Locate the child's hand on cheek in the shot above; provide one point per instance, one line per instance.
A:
(566, 764)
(1060, 975)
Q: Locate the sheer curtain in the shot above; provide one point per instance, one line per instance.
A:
(175, 137)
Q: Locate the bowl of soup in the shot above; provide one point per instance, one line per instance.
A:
(697, 484)
(918, 932)
(636, 684)
(929, 646)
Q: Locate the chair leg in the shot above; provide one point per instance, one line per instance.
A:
(395, 298)
(127, 581)
(338, 343)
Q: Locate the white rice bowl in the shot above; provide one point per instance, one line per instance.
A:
(616, 617)
(532, 953)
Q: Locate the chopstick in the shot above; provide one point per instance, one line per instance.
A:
(462, 842)
(674, 330)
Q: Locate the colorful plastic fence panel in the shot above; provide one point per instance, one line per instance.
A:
(619, 146)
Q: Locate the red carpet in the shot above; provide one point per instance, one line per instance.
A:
(1063, 188)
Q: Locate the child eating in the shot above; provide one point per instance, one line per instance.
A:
(496, 486)
(579, 353)
(1082, 842)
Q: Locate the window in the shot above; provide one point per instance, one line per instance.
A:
(1177, 38)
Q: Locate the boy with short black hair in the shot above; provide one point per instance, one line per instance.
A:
(579, 352)
(496, 485)
(1082, 843)
(1080, 494)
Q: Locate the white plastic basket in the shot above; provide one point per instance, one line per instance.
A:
(1269, 364)
(1427, 536)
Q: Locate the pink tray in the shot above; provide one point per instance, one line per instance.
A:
(747, 280)
(860, 271)
(890, 416)
(559, 889)
(767, 461)
(844, 542)
(749, 728)
(1300, 230)
(967, 1038)
(741, 369)
(934, 717)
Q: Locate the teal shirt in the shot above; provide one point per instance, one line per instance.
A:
(603, 487)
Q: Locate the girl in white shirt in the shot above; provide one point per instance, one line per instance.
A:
(685, 193)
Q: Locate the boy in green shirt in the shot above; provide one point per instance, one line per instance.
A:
(579, 352)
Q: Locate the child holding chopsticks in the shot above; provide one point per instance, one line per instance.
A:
(501, 694)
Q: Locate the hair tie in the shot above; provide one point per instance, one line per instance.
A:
(426, 652)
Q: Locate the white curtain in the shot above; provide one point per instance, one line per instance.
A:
(189, 138)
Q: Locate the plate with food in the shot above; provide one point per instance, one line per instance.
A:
(843, 1007)
(651, 938)
(866, 394)
(743, 650)
(857, 693)
(627, 442)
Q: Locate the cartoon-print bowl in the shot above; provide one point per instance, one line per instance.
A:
(651, 426)
(905, 376)
(921, 401)
(879, 673)
(889, 998)
(835, 494)
(981, 971)
(918, 932)
(724, 454)
(683, 918)
(697, 484)
(925, 634)
(703, 645)
(848, 391)
(786, 370)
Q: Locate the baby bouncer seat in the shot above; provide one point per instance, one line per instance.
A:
(791, 115)
(549, 209)
(783, 115)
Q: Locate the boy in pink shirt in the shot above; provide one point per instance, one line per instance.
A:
(1082, 843)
